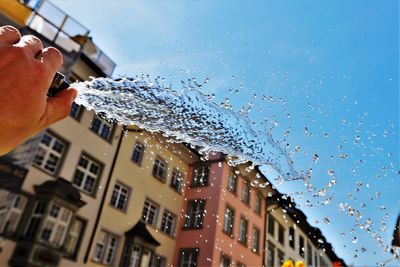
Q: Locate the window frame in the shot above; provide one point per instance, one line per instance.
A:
(246, 221)
(255, 246)
(224, 257)
(118, 197)
(198, 220)
(180, 181)
(235, 183)
(74, 255)
(85, 170)
(61, 155)
(302, 249)
(141, 153)
(174, 223)
(157, 167)
(292, 237)
(257, 207)
(103, 122)
(194, 253)
(78, 114)
(245, 194)
(145, 220)
(15, 205)
(231, 226)
(281, 234)
(106, 248)
(201, 180)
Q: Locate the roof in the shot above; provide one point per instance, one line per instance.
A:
(140, 230)
(61, 188)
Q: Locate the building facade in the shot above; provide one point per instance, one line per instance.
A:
(46, 215)
(86, 192)
(140, 217)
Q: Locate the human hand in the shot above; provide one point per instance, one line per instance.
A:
(26, 73)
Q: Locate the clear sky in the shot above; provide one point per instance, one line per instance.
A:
(326, 71)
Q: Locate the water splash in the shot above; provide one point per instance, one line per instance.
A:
(186, 116)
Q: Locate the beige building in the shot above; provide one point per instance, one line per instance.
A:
(141, 212)
(44, 215)
(290, 236)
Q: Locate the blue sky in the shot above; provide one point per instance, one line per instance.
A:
(332, 65)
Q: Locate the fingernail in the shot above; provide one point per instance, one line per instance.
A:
(74, 94)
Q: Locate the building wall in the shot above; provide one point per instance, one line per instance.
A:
(203, 238)
(144, 185)
(230, 246)
(283, 219)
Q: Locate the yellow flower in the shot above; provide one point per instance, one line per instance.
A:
(288, 263)
(300, 264)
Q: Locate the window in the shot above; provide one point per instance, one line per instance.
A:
(309, 254)
(188, 257)
(150, 212)
(232, 182)
(256, 239)
(257, 204)
(200, 175)
(225, 261)
(243, 231)
(35, 220)
(271, 225)
(270, 254)
(229, 219)
(315, 258)
(120, 195)
(87, 175)
(101, 127)
(55, 225)
(74, 237)
(49, 154)
(281, 257)
(160, 168)
(281, 234)
(138, 152)
(177, 181)
(75, 111)
(301, 246)
(105, 248)
(245, 193)
(168, 223)
(291, 237)
(195, 215)
(12, 206)
(158, 261)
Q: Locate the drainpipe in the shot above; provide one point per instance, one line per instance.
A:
(103, 199)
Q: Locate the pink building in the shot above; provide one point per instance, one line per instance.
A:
(222, 220)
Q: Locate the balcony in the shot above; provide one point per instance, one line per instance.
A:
(50, 22)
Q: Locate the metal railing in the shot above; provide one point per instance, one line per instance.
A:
(58, 27)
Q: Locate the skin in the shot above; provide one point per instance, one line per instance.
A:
(26, 72)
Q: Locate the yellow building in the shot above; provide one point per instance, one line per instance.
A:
(141, 212)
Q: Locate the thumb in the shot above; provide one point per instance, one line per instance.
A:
(58, 106)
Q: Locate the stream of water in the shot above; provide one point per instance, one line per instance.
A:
(185, 116)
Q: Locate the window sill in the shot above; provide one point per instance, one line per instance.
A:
(173, 237)
(162, 180)
(232, 192)
(197, 186)
(242, 243)
(192, 228)
(227, 234)
(118, 209)
(176, 191)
